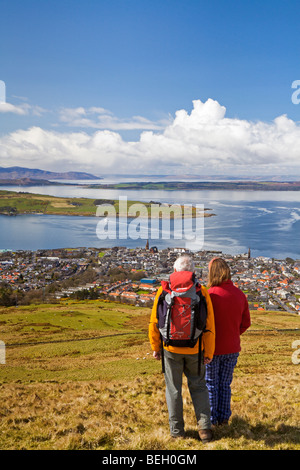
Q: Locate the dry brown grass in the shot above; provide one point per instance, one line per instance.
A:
(89, 395)
(121, 415)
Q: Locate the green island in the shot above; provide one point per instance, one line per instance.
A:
(205, 185)
(16, 203)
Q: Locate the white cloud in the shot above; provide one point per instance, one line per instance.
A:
(100, 118)
(23, 109)
(10, 108)
(202, 142)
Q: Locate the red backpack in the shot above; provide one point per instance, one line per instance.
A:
(181, 311)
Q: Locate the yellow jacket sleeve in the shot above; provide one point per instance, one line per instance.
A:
(208, 337)
(154, 335)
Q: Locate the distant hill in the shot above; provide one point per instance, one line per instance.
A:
(205, 185)
(27, 182)
(17, 172)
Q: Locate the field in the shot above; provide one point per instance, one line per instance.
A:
(14, 203)
(80, 375)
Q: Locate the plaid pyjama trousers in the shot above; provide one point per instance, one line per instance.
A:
(219, 374)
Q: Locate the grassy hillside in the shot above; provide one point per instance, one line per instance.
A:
(14, 203)
(80, 375)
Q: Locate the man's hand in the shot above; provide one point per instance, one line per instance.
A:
(207, 360)
(156, 355)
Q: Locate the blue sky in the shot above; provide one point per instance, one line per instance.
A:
(116, 72)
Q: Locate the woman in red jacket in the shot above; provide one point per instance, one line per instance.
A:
(232, 318)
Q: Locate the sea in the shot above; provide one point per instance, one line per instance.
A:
(266, 222)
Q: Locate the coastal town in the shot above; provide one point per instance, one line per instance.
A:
(133, 275)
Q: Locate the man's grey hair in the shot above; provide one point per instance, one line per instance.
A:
(184, 263)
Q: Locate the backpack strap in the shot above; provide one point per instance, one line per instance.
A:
(169, 298)
(200, 354)
(166, 291)
(162, 353)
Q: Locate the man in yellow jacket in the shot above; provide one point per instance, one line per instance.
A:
(179, 360)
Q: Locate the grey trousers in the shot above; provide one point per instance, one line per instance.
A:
(175, 366)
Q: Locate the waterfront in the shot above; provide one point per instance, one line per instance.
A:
(268, 222)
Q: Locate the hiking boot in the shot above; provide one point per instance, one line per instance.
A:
(205, 435)
(223, 423)
(176, 435)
